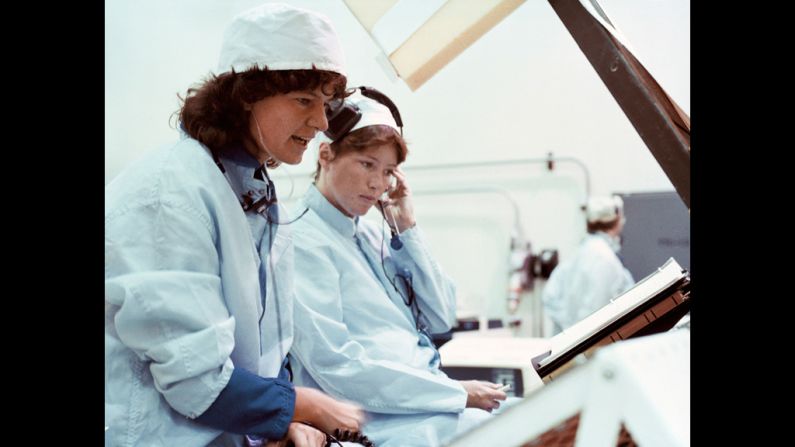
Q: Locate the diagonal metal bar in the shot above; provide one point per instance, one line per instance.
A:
(658, 120)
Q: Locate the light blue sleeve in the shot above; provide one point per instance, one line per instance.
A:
(161, 270)
(434, 290)
(606, 280)
(340, 365)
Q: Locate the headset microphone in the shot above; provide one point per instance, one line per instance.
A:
(395, 242)
(268, 204)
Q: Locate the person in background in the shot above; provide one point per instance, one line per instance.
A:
(365, 304)
(198, 264)
(595, 275)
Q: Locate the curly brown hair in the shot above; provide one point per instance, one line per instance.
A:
(213, 112)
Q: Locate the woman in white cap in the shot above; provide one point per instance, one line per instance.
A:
(198, 263)
(595, 275)
(366, 303)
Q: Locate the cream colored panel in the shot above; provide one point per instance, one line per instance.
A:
(369, 11)
(451, 30)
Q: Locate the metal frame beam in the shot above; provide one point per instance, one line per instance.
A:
(658, 120)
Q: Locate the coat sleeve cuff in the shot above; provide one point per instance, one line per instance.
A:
(252, 405)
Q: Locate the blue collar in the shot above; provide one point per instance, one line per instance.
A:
(318, 203)
(241, 168)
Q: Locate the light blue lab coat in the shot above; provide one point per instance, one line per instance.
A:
(356, 339)
(586, 282)
(183, 296)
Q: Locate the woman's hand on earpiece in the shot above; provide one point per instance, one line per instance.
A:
(398, 207)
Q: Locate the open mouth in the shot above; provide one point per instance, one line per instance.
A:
(301, 140)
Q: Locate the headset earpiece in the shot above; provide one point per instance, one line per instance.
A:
(341, 116)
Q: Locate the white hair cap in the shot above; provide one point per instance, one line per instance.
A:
(373, 112)
(604, 209)
(277, 36)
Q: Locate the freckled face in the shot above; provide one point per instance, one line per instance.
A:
(354, 181)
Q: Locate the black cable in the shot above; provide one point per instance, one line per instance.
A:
(288, 222)
(409, 301)
(267, 207)
(340, 435)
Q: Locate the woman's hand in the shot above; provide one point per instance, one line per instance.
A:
(398, 209)
(483, 395)
(326, 413)
(301, 435)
